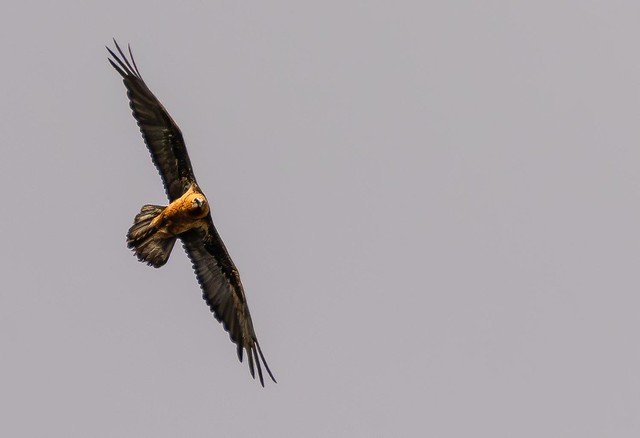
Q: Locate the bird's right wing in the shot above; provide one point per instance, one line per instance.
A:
(160, 132)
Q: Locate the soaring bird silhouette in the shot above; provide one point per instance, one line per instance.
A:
(187, 217)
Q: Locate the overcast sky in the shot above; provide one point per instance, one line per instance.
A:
(434, 208)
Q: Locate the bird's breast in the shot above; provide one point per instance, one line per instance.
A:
(184, 214)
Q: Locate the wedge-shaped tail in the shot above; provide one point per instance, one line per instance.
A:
(148, 246)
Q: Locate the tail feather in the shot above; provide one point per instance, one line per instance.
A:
(141, 237)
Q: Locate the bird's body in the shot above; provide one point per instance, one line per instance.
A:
(155, 228)
(187, 217)
(184, 214)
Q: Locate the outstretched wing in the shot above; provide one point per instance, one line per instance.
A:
(223, 292)
(160, 132)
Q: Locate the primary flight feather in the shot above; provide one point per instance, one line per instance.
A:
(187, 217)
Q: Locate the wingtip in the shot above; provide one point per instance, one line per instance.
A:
(256, 359)
(239, 351)
(264, 361)
(127, 68)
(251, 365)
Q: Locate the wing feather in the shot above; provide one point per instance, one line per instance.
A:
(223, 292)
(161, 134)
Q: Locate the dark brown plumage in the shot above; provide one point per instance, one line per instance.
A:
(187, 217)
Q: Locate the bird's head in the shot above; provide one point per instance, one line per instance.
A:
(195, 203)
(198, 207)
(198, 202)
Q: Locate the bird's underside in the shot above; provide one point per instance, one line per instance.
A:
(187, 217)
(155, 228)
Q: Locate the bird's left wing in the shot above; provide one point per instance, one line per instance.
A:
(160, 132)
(223, 292)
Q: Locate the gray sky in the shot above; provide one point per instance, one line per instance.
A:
(434, 207)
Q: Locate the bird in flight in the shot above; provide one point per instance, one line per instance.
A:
(187, 217)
